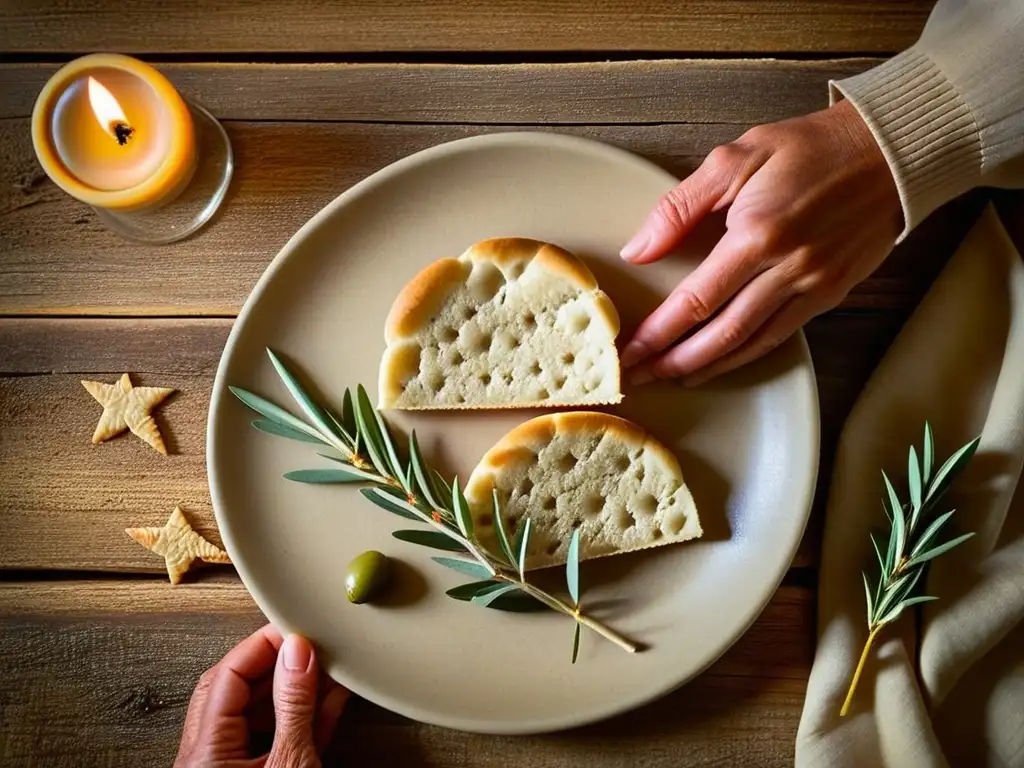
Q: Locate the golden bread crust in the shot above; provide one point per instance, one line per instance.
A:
(534, 434)
(421, 298)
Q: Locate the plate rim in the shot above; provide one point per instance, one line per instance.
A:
(219, 391)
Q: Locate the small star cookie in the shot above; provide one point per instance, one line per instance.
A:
(127, 407)
(179, 544)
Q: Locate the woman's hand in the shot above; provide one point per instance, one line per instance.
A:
(232, 702)
(813, 210)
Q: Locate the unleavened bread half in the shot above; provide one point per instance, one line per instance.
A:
(586, 470)
(512, 323)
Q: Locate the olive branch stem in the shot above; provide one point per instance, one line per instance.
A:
(913, 542)
(860, 668)
(412, 490)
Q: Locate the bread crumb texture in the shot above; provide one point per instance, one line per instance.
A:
(510, 323)
(586, 470)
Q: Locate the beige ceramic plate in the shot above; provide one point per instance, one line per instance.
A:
(748, 446)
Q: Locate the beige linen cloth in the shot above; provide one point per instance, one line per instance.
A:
(945, 685)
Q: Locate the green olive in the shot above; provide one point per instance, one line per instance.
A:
(366, 575)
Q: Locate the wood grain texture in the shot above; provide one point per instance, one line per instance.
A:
(56, 258)
(66, 502)
(74, 499)
(100, 673)
(714, 26)
(665, 91)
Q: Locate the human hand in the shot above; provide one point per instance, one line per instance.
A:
(813, 210)
(263, 678)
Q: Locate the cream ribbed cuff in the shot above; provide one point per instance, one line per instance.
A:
(923, 127)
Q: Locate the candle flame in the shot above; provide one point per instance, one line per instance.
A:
(108, 111)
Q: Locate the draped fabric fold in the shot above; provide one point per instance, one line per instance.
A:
(944, 685)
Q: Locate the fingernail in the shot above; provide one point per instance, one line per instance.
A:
(641, 377)
(635, 248)
(634, 352)
(297, 653)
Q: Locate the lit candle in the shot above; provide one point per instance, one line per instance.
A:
(113, 132)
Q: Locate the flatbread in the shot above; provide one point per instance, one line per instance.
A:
(603, 474)
(512, 323)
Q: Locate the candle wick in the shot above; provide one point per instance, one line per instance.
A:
(123, 132)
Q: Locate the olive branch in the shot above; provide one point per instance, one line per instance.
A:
(367, 454)
(913, 541)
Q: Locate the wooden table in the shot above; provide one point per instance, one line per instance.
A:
(98, 654)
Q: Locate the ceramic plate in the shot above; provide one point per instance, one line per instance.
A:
(748, 445)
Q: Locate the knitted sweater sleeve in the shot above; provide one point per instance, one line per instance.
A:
(948, 113)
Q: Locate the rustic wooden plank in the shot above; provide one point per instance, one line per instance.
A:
(308, 26)
(67, 600)
(99, 347)
(56, 258)
(74, 499)
(666, 91)
(100, 673)
(83, 508)
(70, 500)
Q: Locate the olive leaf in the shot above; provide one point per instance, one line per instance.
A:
(275, 413)
(368, 431)
(463, 518)
(329, 476)
(895, 612)
(896, 591)
(575, 642)
(344, 462)
(518, 601)
(930, 533)
(433, 539)
(524, 545)
(517, 538)
(274, 428)
(952, 467)
(515, 601)
(931, 554)
(419, 468)
(492, 595)
(899, 522)
(878, 552)
(870, 599)
(499, 526)
(348, 415)
(468, 567)
(470, 589)
(385, 500)
(442, 488)
(914, 481)
(315, 412)
(572, 567)
(357, 447)
(391, 453)
(928, 453)
(339, 427)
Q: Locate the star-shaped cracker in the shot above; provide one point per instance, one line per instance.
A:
(127, 407)
(179, 544)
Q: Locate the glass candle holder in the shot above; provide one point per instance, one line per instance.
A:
(113, 132)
